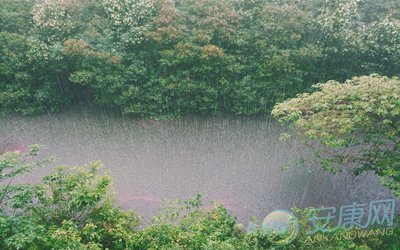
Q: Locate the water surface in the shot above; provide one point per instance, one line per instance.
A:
(232, 160)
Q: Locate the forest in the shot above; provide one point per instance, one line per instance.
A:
(163, 59)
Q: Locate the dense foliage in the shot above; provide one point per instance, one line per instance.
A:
(162, 58)
(165, 58)
(64, 211)
(75, 209)
(355, 124)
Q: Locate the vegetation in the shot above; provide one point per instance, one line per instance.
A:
(64, 211)
(163, 58)
(355, 124)
(166, 58)
(76, 210)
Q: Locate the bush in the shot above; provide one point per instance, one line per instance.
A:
(76, 210)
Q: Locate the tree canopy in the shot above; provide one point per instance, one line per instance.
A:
(162, 58)
(358, 121)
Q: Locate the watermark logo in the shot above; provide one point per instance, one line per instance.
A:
(281, 224)
(379, 212)
(283, 227)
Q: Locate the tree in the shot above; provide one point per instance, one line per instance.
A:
(15, 16)
(354, 124)
(67, 210)
(131, 19)
(75, 209)
(180, 57)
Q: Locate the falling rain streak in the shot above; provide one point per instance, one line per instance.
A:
(232, 160)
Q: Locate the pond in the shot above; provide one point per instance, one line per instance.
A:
(236, 161)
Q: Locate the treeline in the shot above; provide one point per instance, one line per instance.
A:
(163, 58)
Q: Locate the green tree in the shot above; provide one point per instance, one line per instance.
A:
(15, 16)
(67, 210)
(163, 58)
(26, 85)
(355, 124)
